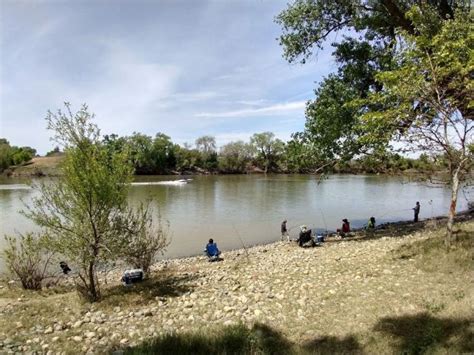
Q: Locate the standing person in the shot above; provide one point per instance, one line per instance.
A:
(416, 210)
(284, 231)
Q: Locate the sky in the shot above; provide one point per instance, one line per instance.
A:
(186, 68)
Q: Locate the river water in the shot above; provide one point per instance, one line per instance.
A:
(239, 210)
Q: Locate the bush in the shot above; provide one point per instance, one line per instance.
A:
(144, 238)
(27, 259)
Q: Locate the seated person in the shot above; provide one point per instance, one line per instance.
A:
(212, 251)
(64, 267)
(304, 239)
(346, 228)
(371, 223)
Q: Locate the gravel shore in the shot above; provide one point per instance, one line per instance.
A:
(343, 289)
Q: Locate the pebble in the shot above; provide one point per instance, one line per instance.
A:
(48, 330)
(77, 324)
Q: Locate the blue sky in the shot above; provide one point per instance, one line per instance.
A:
(186, 68)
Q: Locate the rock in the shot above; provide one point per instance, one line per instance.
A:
(55, 339)
(124, 341)
(77, 324)
(48, 330)
(257, 313)
(77, 338)
(147, 313)
(90, 335)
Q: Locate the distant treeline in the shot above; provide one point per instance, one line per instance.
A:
(12, 155)
(262, 153)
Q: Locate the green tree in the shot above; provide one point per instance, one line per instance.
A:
(141, 152)
(206, 144)
(429, 98)
(366, 48)
(234, 157)
(269, 150)
(5, 154)
(83, 210)
(163, 153)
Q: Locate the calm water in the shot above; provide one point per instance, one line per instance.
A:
(236, 210)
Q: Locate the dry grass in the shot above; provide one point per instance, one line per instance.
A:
(39, 166)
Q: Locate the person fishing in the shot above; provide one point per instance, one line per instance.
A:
(371, 223)
(416, 211)
(212, 251)
(284, 231)
(304, 239)
(345, 229)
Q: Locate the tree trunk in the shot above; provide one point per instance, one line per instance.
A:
(94, 293)
(452, 208)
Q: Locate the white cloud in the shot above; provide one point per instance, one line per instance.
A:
(249, 112)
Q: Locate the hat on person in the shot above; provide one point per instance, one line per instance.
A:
(303, 227)
(345, 220)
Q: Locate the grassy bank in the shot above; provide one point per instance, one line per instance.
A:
(393, 291)
(38, 166)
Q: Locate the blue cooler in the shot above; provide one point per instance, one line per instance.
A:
(320, 239)
(132, 276)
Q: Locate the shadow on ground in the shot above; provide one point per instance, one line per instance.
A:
(161, 285)
(420, 333)
(238, 339)
(332, 345)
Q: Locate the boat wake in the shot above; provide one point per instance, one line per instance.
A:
(15, 187)
(180, 182)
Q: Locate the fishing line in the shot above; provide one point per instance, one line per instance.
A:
(241, 241)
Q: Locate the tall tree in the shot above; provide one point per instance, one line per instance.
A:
(269, 150)
(234, 157)
(429, 98)
(367, 47)
(405, 73)
(206, 144)
(82, 210)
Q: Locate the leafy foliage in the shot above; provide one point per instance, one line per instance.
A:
(144, 237)
(27, 258)
(83, 210)
(12, 155)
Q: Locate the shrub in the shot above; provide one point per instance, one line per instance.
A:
(145, 238)
(26, 258)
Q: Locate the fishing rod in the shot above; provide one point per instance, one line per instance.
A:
(241, 241)
(392, 211)
(324, 220)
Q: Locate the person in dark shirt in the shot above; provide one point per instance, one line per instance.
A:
(416, 211)
(305, 239)
(284, 231)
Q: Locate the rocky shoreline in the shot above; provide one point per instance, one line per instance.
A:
(342, 288)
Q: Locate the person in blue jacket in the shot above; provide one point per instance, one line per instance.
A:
(212, 251)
